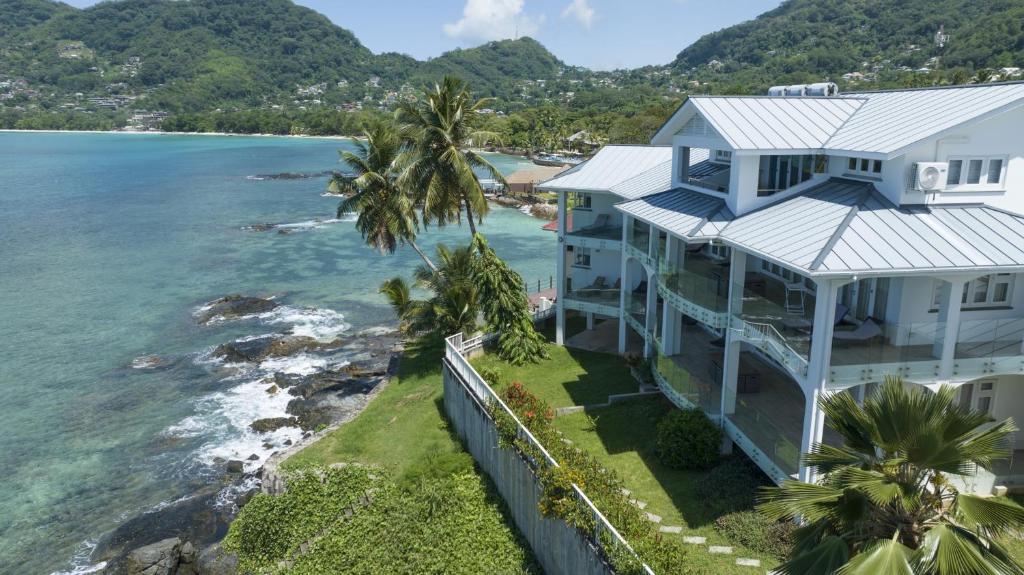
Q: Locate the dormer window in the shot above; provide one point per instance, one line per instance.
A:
(864, 167)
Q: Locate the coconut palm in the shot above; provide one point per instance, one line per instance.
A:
(453, 305)
(386, 215)
(441, 167)
(885, 502)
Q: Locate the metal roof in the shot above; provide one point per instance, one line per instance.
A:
(612, 166)
(761, 123)
(891, 120)
(684, 212)
(846, 227)
(882, 122)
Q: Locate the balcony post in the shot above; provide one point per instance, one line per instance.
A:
(560, 270)
(651, 311)
(684, 164)
(670, 316)
(818, 367)
(627, 228)
(733, 342)
(949, 320)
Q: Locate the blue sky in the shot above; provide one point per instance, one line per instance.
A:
(599, 34)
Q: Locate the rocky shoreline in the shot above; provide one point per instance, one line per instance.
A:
(183, 537)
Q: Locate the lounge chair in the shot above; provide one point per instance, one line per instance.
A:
(841, 311)
(598, 285)
(864, 332)
(600, 222)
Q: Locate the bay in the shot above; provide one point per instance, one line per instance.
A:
(108, 245)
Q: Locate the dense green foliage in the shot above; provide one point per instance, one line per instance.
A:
(603, 487)
(757, 532)
(357, 520)
(885, 502)
(731, 485)
(688, 439)
(810, 40)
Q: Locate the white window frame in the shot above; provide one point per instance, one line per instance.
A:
(723, 156)
(581, 258)
(972, 288)
(983, 183)
(864, 167)
(582, 201)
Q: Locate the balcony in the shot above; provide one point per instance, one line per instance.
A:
(776, 318)
(698, 289)
(603, 233)
(598, 297)
(693, 377)
(989, 347)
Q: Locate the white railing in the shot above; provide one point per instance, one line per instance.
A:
(454, 350)
(765, 337)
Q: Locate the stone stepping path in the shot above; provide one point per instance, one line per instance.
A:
(748, 562)
(694, 539)
(653, 518)
(720, 549)
(640, 504)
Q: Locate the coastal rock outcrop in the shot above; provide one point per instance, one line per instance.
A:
(272, 424)
(258, 349)
(234, 306)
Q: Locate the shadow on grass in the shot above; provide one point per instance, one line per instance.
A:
(631, 427)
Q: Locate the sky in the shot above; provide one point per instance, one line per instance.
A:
(598, 34)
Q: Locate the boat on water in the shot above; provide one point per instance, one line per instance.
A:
(556, 160)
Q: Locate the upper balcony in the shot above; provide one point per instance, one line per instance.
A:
(594, 223)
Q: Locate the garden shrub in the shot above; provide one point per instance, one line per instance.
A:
(491, 375)
(687, 439)
(531, 409)
(757, 532)
(731, 485)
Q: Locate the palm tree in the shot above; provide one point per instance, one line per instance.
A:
(454, 302)
(386, 211)
(885, 503)
(440, 131)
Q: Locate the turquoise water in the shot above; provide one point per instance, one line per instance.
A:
(108, 244)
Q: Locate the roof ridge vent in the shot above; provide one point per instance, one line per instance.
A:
(821, 89)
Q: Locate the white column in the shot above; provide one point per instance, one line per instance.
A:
(590, 320)
(651, 311)
(627, 225)
(560, 271)
(731, 358)
(818, 366)
(949, 323)
(669, 315)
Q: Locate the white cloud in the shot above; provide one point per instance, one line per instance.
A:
(493, 20)
(581, 11)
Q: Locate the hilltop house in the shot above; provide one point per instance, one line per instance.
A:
(765, 251)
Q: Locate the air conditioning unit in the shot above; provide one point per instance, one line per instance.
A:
(929, 176)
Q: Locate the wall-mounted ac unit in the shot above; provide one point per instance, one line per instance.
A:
(929, 176)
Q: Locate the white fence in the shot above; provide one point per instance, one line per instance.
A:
(558, 547)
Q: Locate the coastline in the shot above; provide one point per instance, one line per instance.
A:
(165, 133)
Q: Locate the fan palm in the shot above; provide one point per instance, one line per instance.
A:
(441, 167)
(885, 503)
(386, 215)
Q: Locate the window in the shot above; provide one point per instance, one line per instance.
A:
(777, 271)
(976, 173)
(778, 173)
(718, 251)
(724, 156)
(581, 201)
(988, 291)
(581, 257)
(864, 167)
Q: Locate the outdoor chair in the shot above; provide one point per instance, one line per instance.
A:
(599, 223)
(864, 332)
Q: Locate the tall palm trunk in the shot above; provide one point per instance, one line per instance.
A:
(469, 214)
(422, 255)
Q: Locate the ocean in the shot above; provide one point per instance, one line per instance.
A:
(110, 401)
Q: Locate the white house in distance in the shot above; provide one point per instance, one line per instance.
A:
(766, 250)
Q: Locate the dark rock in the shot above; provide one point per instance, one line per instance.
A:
(160, 558)
(233, 306)
(235, 466)
(188, 563)
(272, 424)
(148, 362)
(255, 350)
(268, 445)
(273, 389)
(296, 175)
(259, 227)
(215, 561)
(198, 519)
(253, 457)
(287, 441)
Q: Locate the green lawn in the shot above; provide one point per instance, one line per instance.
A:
(569, 377)
(622, 438)
(403, 428)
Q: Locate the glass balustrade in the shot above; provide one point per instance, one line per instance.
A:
(985, 347)
(640, 237)
(776, 319)
(710, 293)
(771, 420)
(871, 350)
(694, 375)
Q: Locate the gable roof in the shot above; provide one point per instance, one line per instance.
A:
(846, 227)
(612, 166)
(882, 122)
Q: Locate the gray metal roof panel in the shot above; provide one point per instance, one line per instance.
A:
(683, 212)
(611, 166)
(758, 123)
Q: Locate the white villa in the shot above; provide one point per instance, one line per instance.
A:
(765, 251)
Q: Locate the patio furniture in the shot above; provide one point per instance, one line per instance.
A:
(866, 331)
(795, 298)
(598, 285)
(841, 312)
(600, 222)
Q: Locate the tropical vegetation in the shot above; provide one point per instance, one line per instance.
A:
(887, 501)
